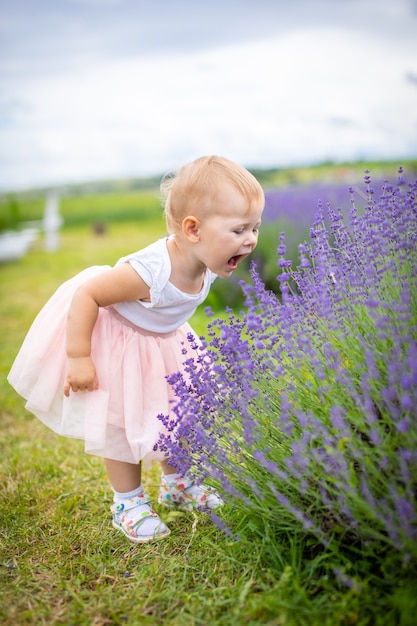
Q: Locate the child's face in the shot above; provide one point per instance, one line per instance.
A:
(230, 234)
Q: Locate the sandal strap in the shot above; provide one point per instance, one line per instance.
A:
(123, 507)
(184, 482)
(132, 522)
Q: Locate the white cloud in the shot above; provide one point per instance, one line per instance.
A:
(299, 96)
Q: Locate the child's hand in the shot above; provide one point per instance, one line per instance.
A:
(80, 375)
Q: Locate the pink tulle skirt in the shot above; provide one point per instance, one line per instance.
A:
(118, 420)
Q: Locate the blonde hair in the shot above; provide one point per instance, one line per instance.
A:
(192, 189)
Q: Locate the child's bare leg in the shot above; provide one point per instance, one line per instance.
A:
(124, 477)
(167, 468)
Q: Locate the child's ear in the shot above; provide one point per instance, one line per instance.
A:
(191, 228)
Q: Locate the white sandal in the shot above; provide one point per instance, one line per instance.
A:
(183, 493)
(130, 525)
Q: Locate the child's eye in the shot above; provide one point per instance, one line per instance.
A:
(239, 232)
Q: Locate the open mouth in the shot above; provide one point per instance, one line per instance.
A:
(234, 261)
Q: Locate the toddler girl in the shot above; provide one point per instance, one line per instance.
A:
(94, 362)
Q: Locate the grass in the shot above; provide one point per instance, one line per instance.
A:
(62, 563)
(76, 209)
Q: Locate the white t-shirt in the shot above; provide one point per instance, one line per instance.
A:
(169, 307)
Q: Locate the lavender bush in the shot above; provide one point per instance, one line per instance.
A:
(297, 203)
(303, 408)
(291, 209)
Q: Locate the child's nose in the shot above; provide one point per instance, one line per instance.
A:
(252, 239)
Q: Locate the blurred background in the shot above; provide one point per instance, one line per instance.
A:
(100, 89)
(99, 98)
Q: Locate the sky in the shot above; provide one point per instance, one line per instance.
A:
(105, 89)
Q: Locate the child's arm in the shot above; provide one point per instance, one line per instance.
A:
(120, 284)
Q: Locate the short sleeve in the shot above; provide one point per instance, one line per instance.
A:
(142, 269)
(153, 266)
